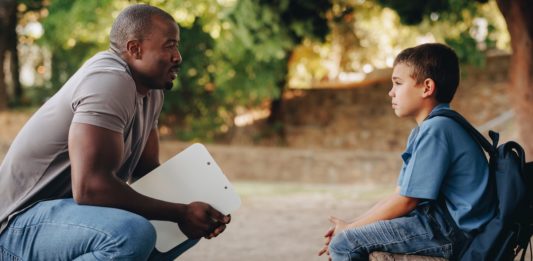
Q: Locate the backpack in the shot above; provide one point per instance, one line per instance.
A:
(509, 232)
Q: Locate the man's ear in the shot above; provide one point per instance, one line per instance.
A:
(429, 88)
(133, 48)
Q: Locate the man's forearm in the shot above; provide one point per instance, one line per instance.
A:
(108, 191)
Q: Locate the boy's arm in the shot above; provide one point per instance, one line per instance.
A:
(390, 207)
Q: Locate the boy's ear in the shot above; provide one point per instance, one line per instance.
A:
(429, 88)
(133, 48)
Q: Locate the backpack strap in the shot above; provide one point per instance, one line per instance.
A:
(478, 137)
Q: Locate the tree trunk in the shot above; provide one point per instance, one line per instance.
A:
(517, 14)
(275, 120)
(14, 58)
(6, 9)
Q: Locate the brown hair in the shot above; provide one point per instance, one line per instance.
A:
(437, 62)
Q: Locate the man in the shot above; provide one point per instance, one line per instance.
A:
(63, 185)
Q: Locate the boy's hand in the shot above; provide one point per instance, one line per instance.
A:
(338, 226)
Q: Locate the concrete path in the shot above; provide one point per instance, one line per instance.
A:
(285, 221)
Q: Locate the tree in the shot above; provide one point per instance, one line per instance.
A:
(237, 56)
(300, 20)
(517, 14)
(8, 22)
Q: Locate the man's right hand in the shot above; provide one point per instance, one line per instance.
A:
(201, 220)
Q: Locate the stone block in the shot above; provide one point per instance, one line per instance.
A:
(383, 256)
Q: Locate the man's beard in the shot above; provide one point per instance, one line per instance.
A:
(169, 85)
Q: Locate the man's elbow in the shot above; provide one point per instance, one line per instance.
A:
(84, 194)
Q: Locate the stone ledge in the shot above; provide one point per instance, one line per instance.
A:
(383, 256)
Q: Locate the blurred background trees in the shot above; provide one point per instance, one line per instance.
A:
(240, 55)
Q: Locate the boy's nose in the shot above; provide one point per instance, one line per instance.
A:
(391, 92)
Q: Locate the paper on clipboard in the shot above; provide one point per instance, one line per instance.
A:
(191, 175)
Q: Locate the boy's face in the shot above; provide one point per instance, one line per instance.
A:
(406, 94)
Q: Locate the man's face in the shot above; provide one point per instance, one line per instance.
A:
(160, 60)
(406, 94)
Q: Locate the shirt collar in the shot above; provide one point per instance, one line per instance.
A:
(441, 106)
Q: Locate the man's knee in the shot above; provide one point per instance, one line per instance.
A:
(135, 235)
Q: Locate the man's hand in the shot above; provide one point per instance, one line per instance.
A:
(202, 220)
(338, 226)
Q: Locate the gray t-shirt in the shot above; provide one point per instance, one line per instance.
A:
(101, 93)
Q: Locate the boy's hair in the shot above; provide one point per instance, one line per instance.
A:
(437, 62)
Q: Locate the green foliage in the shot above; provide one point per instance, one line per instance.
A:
(414, 12)
(235, 52)
(240, 62)
(467, 50)
(75, 30)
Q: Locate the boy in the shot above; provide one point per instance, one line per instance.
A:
(443, 195)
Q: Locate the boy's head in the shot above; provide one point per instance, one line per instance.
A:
(434, 61)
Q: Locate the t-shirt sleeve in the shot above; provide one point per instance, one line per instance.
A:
(427, 166)
(105, 99)
(406, 155)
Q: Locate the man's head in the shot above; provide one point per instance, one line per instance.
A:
(423, 76)
(147, 38)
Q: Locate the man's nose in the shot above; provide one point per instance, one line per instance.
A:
(391, 92)
(176, 58)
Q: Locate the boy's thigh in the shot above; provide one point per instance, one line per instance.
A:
(417, 233)
(63, 230)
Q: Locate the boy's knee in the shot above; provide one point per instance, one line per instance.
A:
(341, 248)
(338, 248)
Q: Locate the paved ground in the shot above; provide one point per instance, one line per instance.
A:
(284, 221)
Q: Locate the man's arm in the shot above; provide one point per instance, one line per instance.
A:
(149, 159)
(96, 154)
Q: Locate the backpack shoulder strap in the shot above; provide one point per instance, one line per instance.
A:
(478, 137)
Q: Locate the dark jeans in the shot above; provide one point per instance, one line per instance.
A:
(428, 230)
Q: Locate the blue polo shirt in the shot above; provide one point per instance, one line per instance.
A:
(442, 158)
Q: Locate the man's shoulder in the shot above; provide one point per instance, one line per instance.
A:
(106, 61)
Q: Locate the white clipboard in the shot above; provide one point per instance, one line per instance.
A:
(191, 175)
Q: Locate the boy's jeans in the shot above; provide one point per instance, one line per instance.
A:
(427, 230)
(63, 230)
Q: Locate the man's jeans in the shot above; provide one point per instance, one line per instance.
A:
(427, 230)
(63, 230)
